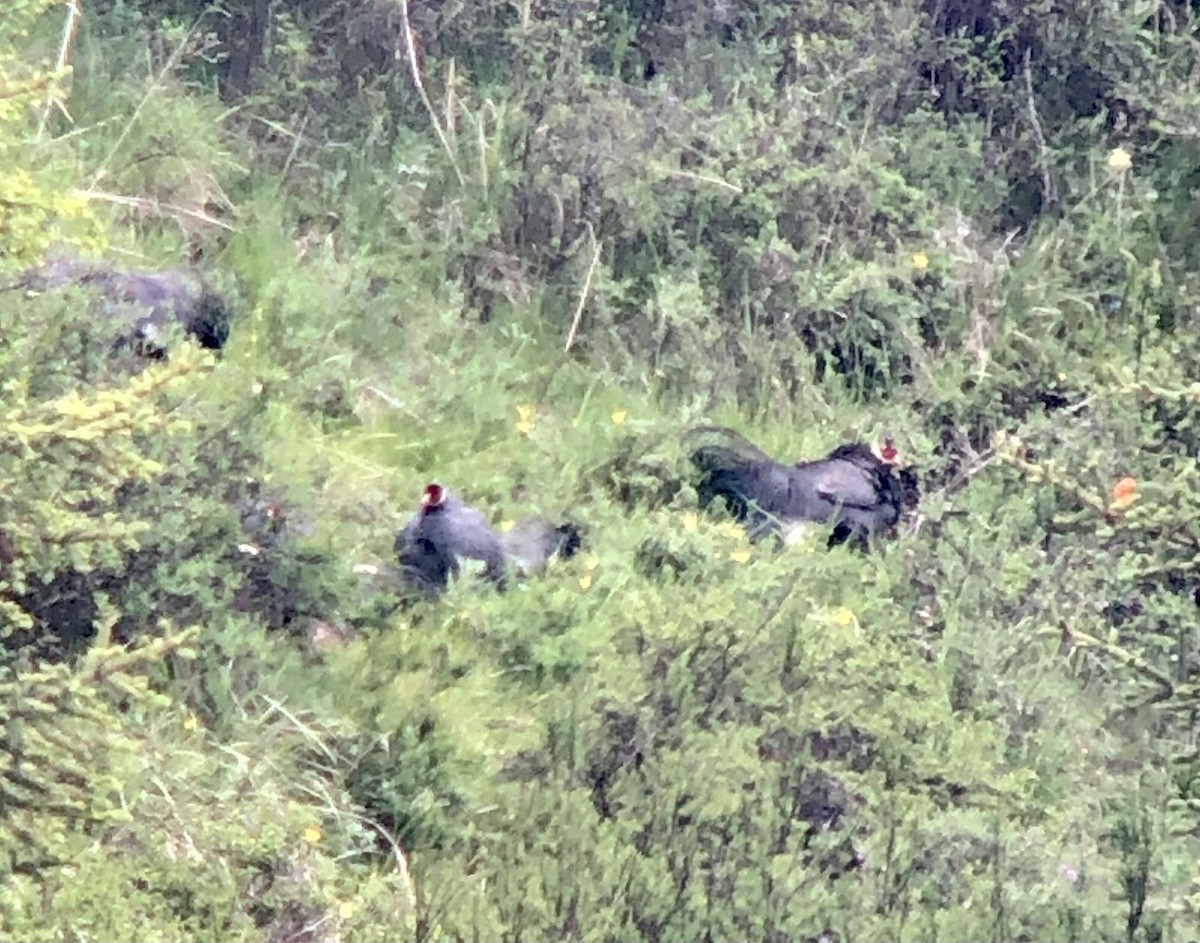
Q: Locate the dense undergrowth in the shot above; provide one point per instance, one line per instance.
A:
(524, 265)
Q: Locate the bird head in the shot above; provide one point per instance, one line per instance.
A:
(885, 450)
(434, 496)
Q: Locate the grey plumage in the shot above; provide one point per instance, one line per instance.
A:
(534, 541)
(852, 489)
(443, 532)
(144, 302)
(446, 531)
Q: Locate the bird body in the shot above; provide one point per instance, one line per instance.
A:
(534, 542)
(143, 302)
(853, 489)
(446, 531)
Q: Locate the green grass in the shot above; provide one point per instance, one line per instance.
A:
(632, 745)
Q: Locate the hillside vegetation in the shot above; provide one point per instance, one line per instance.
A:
(522, 248)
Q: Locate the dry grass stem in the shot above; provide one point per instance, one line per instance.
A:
(64, 56)
(164, 209)
(410, 47)
(176, 56)
(586, 292)
(705, 178)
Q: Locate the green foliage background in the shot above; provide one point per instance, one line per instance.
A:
(520, 248)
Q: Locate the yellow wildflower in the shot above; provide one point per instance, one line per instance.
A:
(619, 416)
(920, 261)
(312, 834)
(72, 205)
(691, 522)
(524, 426)
(585, 581)
(590, 562)
(1119, 160)
(843, 617)
(734, 529)
(346, 909)
(191, 723)
(506, 526)
(524, 412)
(739, 556)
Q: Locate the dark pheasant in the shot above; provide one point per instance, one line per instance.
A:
(445, 531)
(141, 304)
(856, 490)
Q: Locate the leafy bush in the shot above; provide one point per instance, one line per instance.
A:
(520, 249)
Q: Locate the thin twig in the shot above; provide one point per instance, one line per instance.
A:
(386, 397)
(450, 111)
(1130, 659)
(170, 208)
(410, 45)
(1048, 190)
(398, 854)
(64, 54)
(705, 178)
(297, 139)
(17, 89)
(1010, 452)
(977, 462)
(170, 65)
(586, 292)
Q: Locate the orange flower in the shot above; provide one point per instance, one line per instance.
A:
(1124, 493)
